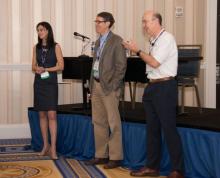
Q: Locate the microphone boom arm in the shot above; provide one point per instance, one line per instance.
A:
(84, 42)
(84, 46)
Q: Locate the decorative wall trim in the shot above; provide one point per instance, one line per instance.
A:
(15, 67)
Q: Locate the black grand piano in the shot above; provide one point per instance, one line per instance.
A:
(80, 68)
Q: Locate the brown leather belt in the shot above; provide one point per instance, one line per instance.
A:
(96, 79)
(160, 79)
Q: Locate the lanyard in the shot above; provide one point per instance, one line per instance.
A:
(100, 49)
(101, 46)
(44, 55)
(152, 42)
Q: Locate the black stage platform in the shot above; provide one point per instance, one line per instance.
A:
(209, 119)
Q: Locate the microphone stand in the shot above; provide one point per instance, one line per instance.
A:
(84, 46)
(84, 59)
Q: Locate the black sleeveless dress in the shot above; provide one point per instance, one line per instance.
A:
(46, 90)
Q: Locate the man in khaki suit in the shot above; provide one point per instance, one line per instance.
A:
(109, 67)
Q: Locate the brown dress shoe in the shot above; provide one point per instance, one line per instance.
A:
(112, 164)
(95, 161)
(175, 174)
(145, 171)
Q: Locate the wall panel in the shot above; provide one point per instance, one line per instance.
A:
(25, 42)
(18, 20)
(4, 25)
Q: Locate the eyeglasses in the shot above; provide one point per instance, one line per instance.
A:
(99, 21)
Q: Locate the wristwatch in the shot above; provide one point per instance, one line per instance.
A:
(139, 52)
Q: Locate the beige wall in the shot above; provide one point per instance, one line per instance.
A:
(18, 19)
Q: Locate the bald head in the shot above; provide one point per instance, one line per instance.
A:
(152, 22)
(149, 13)
(153, 15)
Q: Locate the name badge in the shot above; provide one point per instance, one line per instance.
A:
(96, 65)
(45, 75)
(149, 69)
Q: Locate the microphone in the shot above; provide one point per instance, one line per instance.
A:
(77, 34)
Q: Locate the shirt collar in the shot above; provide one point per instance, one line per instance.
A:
(103, 37)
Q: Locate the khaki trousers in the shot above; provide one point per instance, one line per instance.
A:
(107, 124)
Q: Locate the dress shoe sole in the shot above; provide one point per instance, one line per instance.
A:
(110, 167)
(93, 163)
(146, 174)
(112, 164)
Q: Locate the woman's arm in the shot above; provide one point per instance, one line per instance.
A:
(35, 67)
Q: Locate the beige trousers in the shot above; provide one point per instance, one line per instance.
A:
(107, 124)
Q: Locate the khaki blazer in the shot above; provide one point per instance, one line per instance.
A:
(112, 65)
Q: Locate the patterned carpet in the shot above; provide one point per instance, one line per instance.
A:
(17, 160)
(28, 165)
(29, 169)
(75, 169)
(15, 146)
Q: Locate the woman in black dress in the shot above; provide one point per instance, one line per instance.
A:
(47, 60)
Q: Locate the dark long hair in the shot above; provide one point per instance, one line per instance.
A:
(50, 39)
